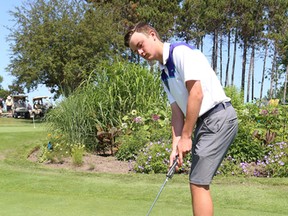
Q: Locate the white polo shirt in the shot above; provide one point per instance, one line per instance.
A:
(191, 64)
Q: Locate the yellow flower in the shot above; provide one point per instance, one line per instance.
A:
(49, 135)
(134, 112)
(274, 102)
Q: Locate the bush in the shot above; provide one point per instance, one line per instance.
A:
(259, 126)
(229, 166)
(245, 147)
(154, 158)
(54, 150)
(274, 164)
(236, 96)
(277, 160)
(92, 115)
(131, 144)
(139, 129)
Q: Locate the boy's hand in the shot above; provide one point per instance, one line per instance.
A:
(173, 155)
(184, 146)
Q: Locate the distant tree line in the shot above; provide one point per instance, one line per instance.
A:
(60, 43)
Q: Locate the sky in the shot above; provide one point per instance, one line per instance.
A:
(6, 20)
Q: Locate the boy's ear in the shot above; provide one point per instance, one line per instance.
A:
(153, 34)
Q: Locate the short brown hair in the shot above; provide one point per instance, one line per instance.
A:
(139, 27)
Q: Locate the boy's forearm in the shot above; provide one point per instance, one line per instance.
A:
(191, 119)
(177, 122)
(193, 108)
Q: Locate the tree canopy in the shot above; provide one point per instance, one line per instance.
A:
(60, 43)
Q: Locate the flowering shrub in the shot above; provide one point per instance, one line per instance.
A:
(229, 166)
(259, 126)
(274, 164)
(52, 150)
(154, 158)
(151, 121)
(277, 160)
(139, 129)
(131, 145)
(55, 149)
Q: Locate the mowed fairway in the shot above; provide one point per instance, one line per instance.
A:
(30, 189)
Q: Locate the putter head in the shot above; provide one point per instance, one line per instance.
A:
(172, 169)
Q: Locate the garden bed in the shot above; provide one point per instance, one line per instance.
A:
(91, 163)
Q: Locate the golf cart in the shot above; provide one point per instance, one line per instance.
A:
(41, 104)
(20, 107)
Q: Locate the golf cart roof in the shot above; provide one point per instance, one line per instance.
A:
(40, 97)
(19, 96)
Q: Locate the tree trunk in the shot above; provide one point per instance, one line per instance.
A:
(202, 43)
(228, 60)
(221, 57)
(272, 77)
(253, 74)
(249, 80)
(263, 71)
(215, 51)
(244, 60)
(234, 58)
(276, 78)
(285, 85)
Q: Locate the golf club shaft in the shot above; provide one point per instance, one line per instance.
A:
(169, 175)
(163, 185)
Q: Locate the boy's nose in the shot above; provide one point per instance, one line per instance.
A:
(140, 51)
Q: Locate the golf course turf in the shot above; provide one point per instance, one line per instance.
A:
(32, 189)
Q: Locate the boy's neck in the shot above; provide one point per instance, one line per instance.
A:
(159, 48)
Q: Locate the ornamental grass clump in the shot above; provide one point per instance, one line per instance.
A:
(77, 152)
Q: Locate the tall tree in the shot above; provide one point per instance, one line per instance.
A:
(190, 24)
(283, 60)
(251, 75)
(277, 16)
(234, 56)
(285, 85)
(215, 18)
(58, 43)
(229, 28)
(249, 15)
(263, 69)
(160, 14)
(226, 83)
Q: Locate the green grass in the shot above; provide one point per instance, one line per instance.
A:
(28, 189)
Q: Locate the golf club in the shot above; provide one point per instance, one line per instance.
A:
(168, 175)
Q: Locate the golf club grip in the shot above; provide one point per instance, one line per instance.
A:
(172, 168)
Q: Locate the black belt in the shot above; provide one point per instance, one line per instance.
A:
(215, 109)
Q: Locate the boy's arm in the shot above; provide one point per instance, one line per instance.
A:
(177, 123)
(194, 102)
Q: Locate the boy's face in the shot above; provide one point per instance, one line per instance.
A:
(144, 45)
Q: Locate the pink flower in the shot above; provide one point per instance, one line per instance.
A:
(264, 112)
(155, 117)
(138, 119)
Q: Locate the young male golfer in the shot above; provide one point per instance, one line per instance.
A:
(197, 99)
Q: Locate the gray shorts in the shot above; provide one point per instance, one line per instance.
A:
(212, 137)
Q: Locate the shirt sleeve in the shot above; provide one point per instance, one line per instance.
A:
(191, 64)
